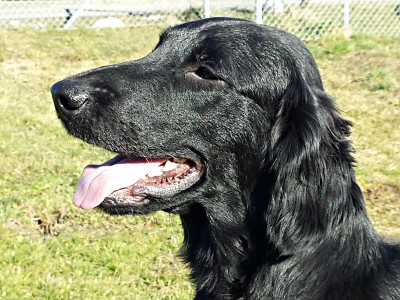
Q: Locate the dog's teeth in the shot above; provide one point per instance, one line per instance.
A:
(169, 166)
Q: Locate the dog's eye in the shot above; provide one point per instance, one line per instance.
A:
(202, 73)
(205, 73)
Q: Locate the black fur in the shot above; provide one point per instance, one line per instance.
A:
(278, 213)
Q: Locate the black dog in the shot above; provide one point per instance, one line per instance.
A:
(227, 124)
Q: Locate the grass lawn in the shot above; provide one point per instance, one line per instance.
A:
(52, 250)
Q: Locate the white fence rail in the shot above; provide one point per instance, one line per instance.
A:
(306, 18)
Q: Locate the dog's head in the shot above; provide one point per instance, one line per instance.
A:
(215, 104)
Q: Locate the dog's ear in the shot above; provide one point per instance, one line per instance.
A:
(310, 167)
(308, 129)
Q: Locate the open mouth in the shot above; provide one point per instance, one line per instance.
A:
(130, 181)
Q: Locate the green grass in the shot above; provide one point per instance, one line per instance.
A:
(51, 250)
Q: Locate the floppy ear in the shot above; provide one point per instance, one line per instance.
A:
(310, 168)
(308, 130)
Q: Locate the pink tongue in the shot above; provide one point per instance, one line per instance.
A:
(99, 181)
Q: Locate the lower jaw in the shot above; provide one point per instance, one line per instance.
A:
(152, 197)
(130, 201)
(147, 206)
(125, 210)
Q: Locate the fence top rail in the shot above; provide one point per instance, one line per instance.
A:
(309, 19)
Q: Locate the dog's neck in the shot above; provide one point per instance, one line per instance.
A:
(314, 224)
(215, 252)
(280, 238)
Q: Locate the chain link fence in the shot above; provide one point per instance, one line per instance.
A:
(308, 19)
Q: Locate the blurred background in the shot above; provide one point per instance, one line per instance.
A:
(51, 250)
(306, 18)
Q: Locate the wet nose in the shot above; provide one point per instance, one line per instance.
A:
(68, 97)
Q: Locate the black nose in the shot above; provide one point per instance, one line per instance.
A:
(69, 97)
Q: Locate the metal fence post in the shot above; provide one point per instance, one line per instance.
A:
(258, 11)
(77, 14)
(346, 13)
(206, 6)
